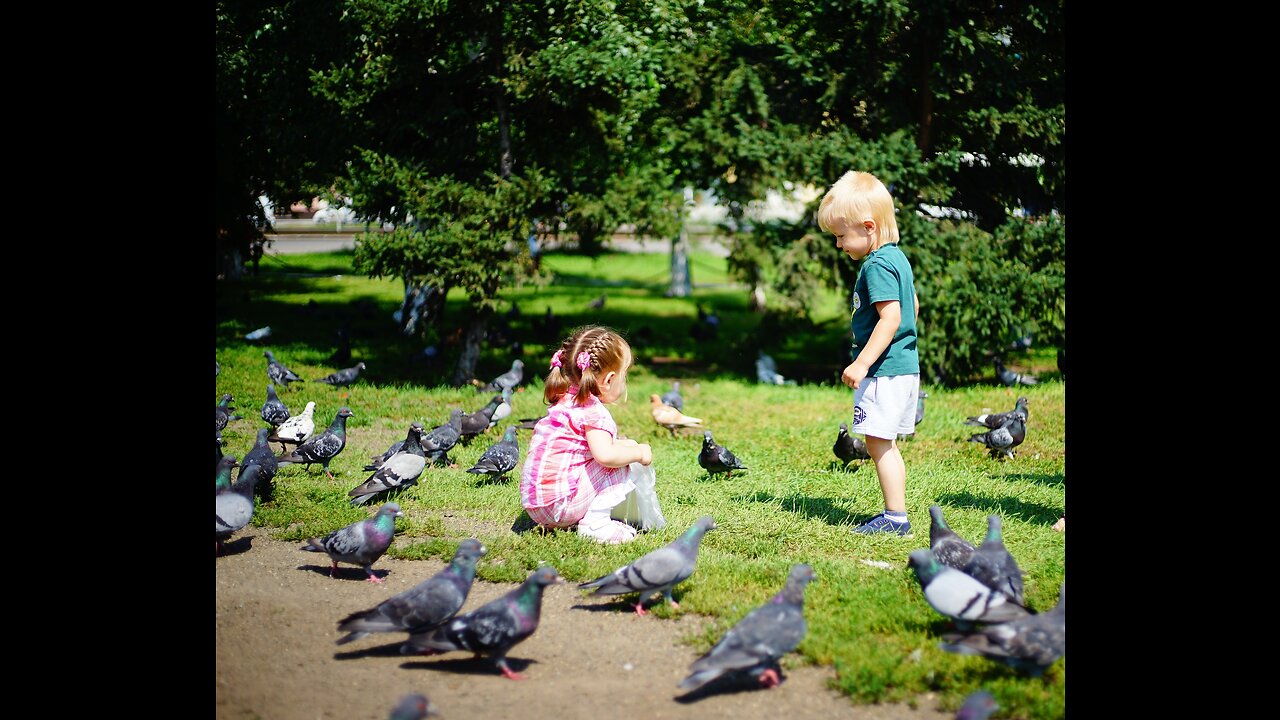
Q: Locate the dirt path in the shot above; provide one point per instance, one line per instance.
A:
(591, 658)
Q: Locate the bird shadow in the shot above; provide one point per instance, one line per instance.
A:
(825, 509)
(1005, 506)
(344, 573)
(850, 467)
(1038, 478)
(469, 666)
(235, 547)
(504, 479)
(386, 650)
(730, 683)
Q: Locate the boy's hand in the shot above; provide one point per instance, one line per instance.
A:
(853, 375)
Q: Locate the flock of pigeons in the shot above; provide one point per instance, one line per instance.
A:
(980, 589)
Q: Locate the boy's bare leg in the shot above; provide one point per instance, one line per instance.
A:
(891, 470)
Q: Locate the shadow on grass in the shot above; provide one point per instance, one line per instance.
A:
(1006, 506)
(470, 666)
(344, 573)
(1038, 478)
(825, 509)
(489, 479)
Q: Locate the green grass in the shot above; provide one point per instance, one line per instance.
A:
(795, 504)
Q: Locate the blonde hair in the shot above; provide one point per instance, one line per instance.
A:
(605, 350)
(855, 197)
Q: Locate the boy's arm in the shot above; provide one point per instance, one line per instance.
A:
(917, 304)
(616, 454)
(890, 317)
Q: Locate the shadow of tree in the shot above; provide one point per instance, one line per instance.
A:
(1006, 506)
(825, 509)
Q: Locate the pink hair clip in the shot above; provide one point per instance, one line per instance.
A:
(555, 359)
(584, 359)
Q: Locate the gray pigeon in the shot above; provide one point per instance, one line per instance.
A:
(674, 398)
(978, 706)
(716, 458)
(222, 413)
(399, 471)
(509, 379)
(324, 447)
(441, 439)
(503, 411)
(919, 415)
(960, 596)
(1005, 438)
(755, 644)
(477, 422)
(423, 607)
(1030, 644)
(658, 571)
(360, 543)
(233, 506)
(412, 707)
(767, 371)
(493, 628)
(500, 458)
(274, 412)
(262, 456)
(344, 377)
(849, 447)
(222, 473)
(377, 460)
(993, 566)
(598, 303)
(1009, 378)
(995, 420)
(278, 373)
(950, 549)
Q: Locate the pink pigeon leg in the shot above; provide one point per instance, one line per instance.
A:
(769, 678)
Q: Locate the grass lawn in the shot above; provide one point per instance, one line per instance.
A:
(867, 616)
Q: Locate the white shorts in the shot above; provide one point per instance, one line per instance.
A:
(885, 407)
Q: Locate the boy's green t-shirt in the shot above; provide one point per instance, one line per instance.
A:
(886, 275)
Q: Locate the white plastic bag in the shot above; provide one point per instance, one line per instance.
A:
(641, 505)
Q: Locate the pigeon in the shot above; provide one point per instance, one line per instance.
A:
(222, 413)
(919, 415)
(716, 458)
(1030, 644)
(658, 571)
(707, 326)
(993, 566)
(344, 377)
(960, 596)
(500, 458)
(222, 473)
(1009, 378)
(547, 328)
(279, 374)
(509, 379)
(978, 706)
(262, 456)
(441, 439)
(950, 549)
(1005, 438)
(423, 607)
(233, 506)
(360, 543)
(217, 448)
(477, 422)
(493, 628)
(261, 333)
(398, 471)
(767, 371)
(377, 460)
(849, 447)
(598, 303)
(503, 411)
(412, 707)
(274, 411)
(995, 420)
(754, 645)
(217, 367)
(322, 448)
(669, 417)
(297, 428)
(674, 398)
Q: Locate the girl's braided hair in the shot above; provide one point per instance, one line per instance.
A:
(588, 354)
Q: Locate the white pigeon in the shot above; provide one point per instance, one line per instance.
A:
(297, 428)
(503, 410)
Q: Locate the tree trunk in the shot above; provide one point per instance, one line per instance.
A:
(421, 306)
(681, 283)
(466, 369)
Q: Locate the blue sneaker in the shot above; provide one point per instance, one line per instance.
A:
(881, 524)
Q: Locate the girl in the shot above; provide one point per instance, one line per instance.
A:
(577, 471)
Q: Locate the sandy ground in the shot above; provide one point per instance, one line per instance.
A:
(591, 657)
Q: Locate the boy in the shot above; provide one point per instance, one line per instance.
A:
(885, 372)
